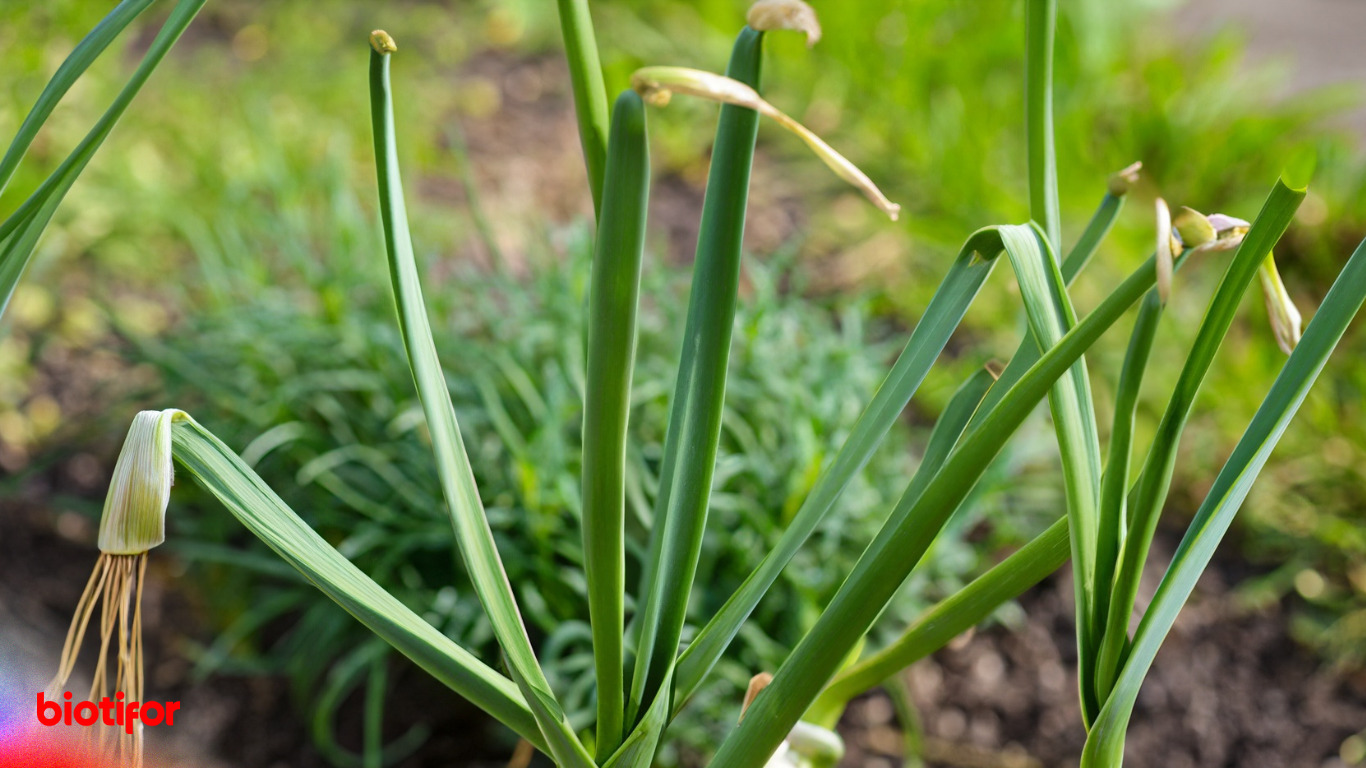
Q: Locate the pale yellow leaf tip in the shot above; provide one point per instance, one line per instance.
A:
(1124, 179)
(134, 517)
(382, 42)
(767, 15)
(1284, 316)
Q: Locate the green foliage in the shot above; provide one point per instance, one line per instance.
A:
(315, 400)
(672, 491)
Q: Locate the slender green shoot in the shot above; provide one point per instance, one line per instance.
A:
(1105, 741)
(590, 94)
(20, 232)
(75, 65)
(947, 619)
(1041, 157)
(1155, 478)
(694, 429)
(223, 474)
(909, 531)
(614, 300)
(471, 527)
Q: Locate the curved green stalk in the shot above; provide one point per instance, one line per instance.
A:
(1155, 478)
(1096, 229)
(694, 430)
(1105, 742)
(1027, 353)
(898, 547)
(262, 512)
(1050, 315)
(471, 527)
(614, 300)
(590, 94)
(20, 232)
(946, 309)
(1042, 162)
(951, 300)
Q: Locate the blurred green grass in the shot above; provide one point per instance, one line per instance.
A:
(245, 152)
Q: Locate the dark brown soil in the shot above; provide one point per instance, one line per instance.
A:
(1229, 688)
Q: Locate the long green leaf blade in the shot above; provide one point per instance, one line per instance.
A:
(945, 311)
(611, 355)
(1115, 482)
(1050, 315)
(1155, 479)
(20, 232)
(947, 619)
(261, 510)
(896, 550)
(1105, 742)
(1042, 162)
(694, 429)
(75, 65)
(472, 531)
(590, 94)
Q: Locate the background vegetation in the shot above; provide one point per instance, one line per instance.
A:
(235, 199)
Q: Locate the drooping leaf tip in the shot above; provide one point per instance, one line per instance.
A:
(1124, 179)
(1280, 308)
(134, 517)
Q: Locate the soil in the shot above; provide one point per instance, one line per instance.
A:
(1229, 688)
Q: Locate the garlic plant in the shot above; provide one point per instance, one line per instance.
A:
(646, 665)
(133, 522)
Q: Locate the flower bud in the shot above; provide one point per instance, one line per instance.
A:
(382, 42)
(1194, 227)
(134, 518)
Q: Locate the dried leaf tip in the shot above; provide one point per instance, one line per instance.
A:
(1165, 249)
(1285, 318)
(655, 84)
(382, 42)
(756, 684)
(1124, 179)
(766, 15)
(134, 517)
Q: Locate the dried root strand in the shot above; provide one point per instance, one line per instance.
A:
(116, 586)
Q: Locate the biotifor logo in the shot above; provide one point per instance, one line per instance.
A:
(115, 713)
